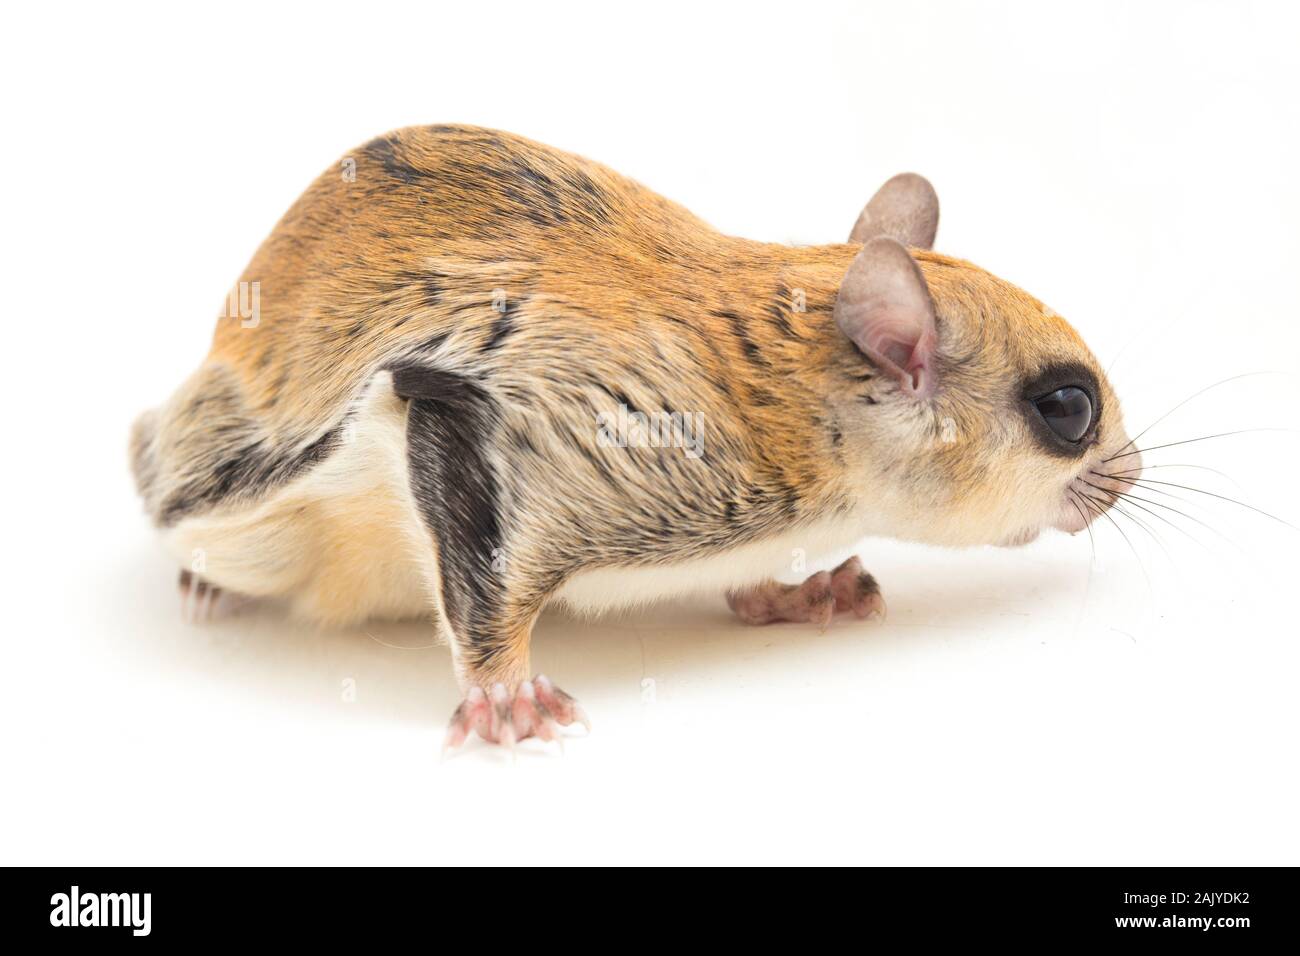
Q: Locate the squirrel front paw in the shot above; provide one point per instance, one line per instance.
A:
(501, 715)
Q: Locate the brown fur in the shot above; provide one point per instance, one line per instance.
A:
(612, 295)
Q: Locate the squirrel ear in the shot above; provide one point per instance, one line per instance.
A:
(906, 208)
(885, 309)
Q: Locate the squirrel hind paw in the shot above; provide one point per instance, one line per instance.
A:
(202, 602)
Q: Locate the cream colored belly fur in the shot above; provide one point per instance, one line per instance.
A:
(344, 543)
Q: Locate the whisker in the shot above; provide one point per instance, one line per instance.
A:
(1188, 441)
(1088, 503)
(1160, 504)
(1113, 503)
(1105, 513)
(1134, 500)
(1145, 527)
(1092, 564)
(1115, 495)
(1143, 482)
(1154, 491)
(1087, 525)
(1194, 395)
(1138, 471)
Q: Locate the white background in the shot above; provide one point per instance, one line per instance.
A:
(1132, 164)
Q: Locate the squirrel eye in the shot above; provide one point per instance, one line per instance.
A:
(1067, 411)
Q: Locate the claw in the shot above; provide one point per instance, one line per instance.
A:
(536, 708)
(560, 705)
(455, 736)
(185, 584)
(580, 716)
(214, 596)
(199, 599)
(208, 602)
(472, 716)
(552, 733)
(539, 718)
(857, 591)
(501, 716)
